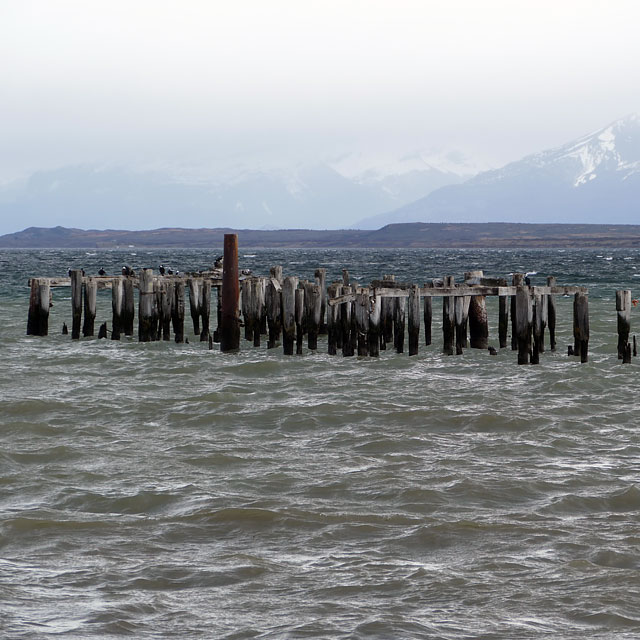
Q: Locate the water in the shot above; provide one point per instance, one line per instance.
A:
(164, 490)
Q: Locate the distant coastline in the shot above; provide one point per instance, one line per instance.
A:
(490, 235)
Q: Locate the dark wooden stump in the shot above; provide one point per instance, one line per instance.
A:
(229, 323)
(76, 303)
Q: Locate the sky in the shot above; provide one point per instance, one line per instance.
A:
(154, 82)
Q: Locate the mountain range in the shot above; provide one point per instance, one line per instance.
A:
(593, 179)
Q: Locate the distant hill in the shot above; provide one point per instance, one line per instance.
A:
(594, 178)
(416, 235)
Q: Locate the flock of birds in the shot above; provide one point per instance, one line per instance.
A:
(128, 271)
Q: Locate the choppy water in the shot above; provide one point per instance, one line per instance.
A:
(165, 490)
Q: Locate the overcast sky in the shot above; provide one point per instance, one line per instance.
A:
(146, 81)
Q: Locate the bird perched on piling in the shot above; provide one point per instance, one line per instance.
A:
(102, 272)
(161, 270)
(218, 262)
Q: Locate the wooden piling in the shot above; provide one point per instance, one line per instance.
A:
(256, 309)
(321, 280)
(428, 315)
(195, 297)
(536, 328)
(461, 310)
(167, 299)
(39, 302)
(623, 307)
(551, 313)
(333, 320)
(448, 319)
(523, 320)
(261, 289)
(205, 309)
(76, 302)
(362, 320)
(375, 309)
(102, 331)
(626, 358)
(229, 323)
(129, 306)
(117, 306)
(177, 311)
(386, 315)
(289, 287)
(90, 293)
(216, 333)
(299, 297)
(146, 306)
(276, 272)
(312, 313)
(273, 304)
(517, 280)
(346, 322)
(503, 317)
(478, 318)
(399, 316)
(413, 311)
(581, 306)
(246, 306)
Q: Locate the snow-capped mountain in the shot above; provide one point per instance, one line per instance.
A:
(329, 195)
(593, 179)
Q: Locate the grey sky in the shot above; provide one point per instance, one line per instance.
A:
(148, 81)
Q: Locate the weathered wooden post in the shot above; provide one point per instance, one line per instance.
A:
(626, 359)
(386, 314)
(524, 318)
(478, 318)
(167, 298)
(448, 318)
(195, 297)
(362, 321)
(517, 280)
(246, 304)
(623, 307)
(345, 278)
(276, 272)
(375, 308)
(536, 327)
(321, 280)
(581, 306)
(261, 309)
(76, 302)
(413, 306)
(177, 311)
(551, 313)
(312, 313)
(205, 309)
(333, 320)
(145, 305)
(117, 306)
(39, 301)
(90, 292)
(299, 297)
(273, 303)
(346, 321)
(289, 287)
(229, 325)
(257, 308)
(216, 333)
(428, 314)
(129, 308)
(399, 315)
(461, 306)
(503, 316)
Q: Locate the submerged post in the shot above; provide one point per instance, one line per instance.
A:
(289, 287)
(76, 302)
(551, 313)
(581, 306)
(177, 311)
(38, 319)
(229, 325)
(117, 307)
(503, 317)
(413, 306)
(448, 318)
(478, 319)
(90, 293)
(623, 307)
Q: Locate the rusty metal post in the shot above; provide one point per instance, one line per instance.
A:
(229, 321)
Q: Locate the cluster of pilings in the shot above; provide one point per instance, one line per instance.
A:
(362, 320)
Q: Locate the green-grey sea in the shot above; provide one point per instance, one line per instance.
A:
(163, 490)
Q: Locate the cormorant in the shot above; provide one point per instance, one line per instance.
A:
(161, 270)
(102, 272)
